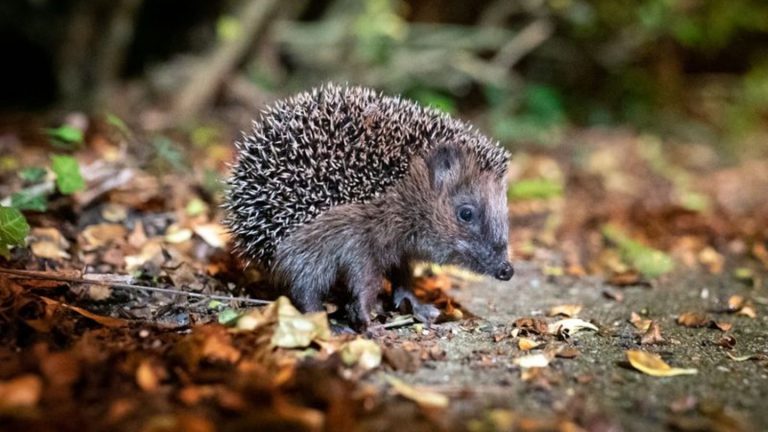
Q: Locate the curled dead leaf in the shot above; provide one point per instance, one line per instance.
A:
(96, 236)
(693, 320)
(526, 344)
(652, 364)
(48, 243)
(652, 335)
(639, 322)
(570, 326)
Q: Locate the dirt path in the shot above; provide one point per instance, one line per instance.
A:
(598, 387)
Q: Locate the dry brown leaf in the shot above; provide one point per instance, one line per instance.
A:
(137, 237)
(639, 322)
(96, 236)
(103, 320)
(567, 352)
(710, 258)
(693, 320)
(532, 325)
(747, 311)
(48, 243)
(423, 397)
(653, 335)
(114, 212)
(722, 326)
(297, 330)
(727, 342)
(526, 344)
(736, 302)
(23, 391)
(213, 233)
(652, 364)
(361, 352)
(567, 310)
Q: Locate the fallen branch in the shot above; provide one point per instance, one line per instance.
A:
(110, 280)
(212, 69)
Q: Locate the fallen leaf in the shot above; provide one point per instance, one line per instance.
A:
(653, 335)
(214, 234)
(710, 258)
(361, 352)
(568, 310)
(532, 360)
(526, 344)
(747, 311)
(297, 330)
(567, 352)
(423, 397)
(693, 320)
(727, 342)
(96, 236)
(735, 303)
(20, 392)
(176, 234)
(652, 364)
(639, 322)
(532, 325)
(103, 320)
(570, 326)
(722, 326)
(114, 212)
(48, 243)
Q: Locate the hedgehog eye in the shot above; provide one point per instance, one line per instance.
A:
(466, 213)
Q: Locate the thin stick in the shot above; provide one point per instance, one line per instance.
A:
(394, 324)
(31, 274)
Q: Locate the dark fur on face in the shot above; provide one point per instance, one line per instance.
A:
(447, 209)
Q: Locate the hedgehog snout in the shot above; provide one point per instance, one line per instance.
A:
(505, 271)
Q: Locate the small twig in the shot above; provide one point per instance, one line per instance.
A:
(394, 324)
(31, 274)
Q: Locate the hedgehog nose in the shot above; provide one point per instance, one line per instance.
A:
(505, 272)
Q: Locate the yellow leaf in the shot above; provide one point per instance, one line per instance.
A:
(526, 344)
(652, 364)
(568, 310)
(423, 397)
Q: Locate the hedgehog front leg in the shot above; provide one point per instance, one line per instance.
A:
(364, 285)
(401, 278)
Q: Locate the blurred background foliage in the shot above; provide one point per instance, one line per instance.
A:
(526, 71)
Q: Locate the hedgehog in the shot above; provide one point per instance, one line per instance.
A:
(337, 188)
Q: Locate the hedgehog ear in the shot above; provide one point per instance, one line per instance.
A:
(444, 165)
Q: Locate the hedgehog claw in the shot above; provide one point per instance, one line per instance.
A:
(406, 302)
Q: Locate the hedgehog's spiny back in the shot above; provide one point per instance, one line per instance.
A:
(332, 146)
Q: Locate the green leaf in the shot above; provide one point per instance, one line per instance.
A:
(648, 261)
(118, 123)
(13, 229)
(228, 316)
(25, 200)
(66, 137)
(32, 174)
(68, 177)
(538, 188)
(228, 28)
